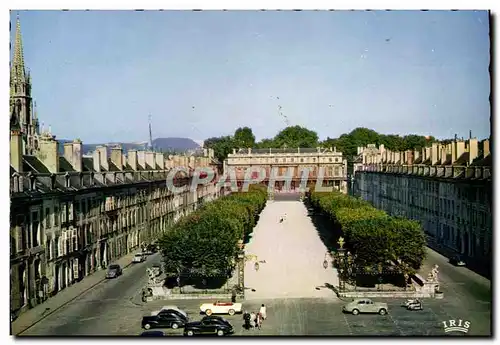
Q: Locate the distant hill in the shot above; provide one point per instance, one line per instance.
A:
(161, 144)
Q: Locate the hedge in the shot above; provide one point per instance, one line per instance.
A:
(371, 234)
(206, 240)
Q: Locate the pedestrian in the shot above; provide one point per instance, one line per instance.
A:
(253, 317)
(233, 296)
(246, 317)
(258, 322)
(263, 312)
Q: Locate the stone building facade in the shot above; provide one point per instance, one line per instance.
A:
(327, 164)
(448, 188)
(71, 214)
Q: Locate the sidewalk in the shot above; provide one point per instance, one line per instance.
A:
(41, 311)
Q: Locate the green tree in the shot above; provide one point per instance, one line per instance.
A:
(205, 241)
(244, 138)
(222, 146)
(296, 136)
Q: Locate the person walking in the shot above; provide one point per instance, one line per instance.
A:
(263, 311)
(258, 322)
(253, 318)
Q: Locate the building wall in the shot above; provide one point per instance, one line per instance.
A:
(457, 213)
(61, 238)
(330, 161)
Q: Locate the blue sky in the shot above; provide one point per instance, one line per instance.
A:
(98, 74)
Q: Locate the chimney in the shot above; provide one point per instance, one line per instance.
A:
(96, 160)
(234, 151)
(211, 153)
(473, 150)
(416, 154)
(460, 146)
(132, 159)
(381, 148)
(77, 155)
(486, 148)
(434, 153)
(205, 152)
(150, 159)
(117, 157)
(73, 154)
(103, 157)
(454, 152)
(160, 161)
(444, 153)
(16, 150)
(249, 151)
(48, 153)
(428, 153)
(141, 159)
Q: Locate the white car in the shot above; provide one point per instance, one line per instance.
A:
(139, 258)
(221, 308)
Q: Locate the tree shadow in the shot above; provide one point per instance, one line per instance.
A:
(328, 230)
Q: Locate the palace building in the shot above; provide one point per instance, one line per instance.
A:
(326, 164)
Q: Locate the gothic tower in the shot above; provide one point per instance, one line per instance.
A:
(20, 96)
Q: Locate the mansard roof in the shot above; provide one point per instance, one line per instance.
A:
(32, 163)
(64, 165)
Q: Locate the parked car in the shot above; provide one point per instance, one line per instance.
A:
(221, 308)
(457, 260)
(153, 334)
(114, 271)
(167, 318)
(365, 305)
(209, 325)
(170, 307)
(415, 306)
(139, 257)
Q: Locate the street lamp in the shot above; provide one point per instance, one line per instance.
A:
(342, 263)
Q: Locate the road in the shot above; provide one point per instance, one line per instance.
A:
(100, 310)
(467, 295)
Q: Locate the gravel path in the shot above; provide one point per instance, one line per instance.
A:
(293, 252)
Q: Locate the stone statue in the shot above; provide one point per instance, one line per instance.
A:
(435, 272)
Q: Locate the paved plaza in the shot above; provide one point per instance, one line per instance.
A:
(293, 253)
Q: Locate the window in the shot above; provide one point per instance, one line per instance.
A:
(64, 212)
(47, 218)
(35, 229)
(291, 160)
(302, 160)
(21, 235)
(49, 249)
(331, 160)
(56, 216)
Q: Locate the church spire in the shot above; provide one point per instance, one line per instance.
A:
(18, 72)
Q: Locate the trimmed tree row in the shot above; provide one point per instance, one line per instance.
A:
(371, 235)
(204, 243)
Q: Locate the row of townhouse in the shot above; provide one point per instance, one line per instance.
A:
(72, 215)
(448, 189)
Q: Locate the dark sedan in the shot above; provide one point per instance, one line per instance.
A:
(457, 260)
(114, 271)
(167, 318)
(209, 325)
(153, 334)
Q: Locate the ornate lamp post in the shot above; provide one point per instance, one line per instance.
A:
(342, 263)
